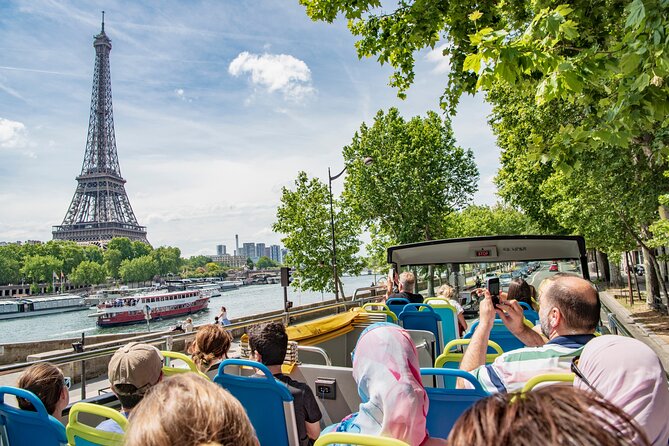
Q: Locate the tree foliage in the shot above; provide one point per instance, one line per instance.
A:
(40, 268)
(140, 269)
(500, 219)
(304, 219)
(418, 177)
(88, 273)
(265, 262)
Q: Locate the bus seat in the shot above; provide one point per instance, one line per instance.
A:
(169, 370)
(446, 405)
(449, 318)
(396, 304)
(339, 438)
(268, 402)
(451, 358)
(548, 379)
(25, 427)
(80, 434)
(426, 319)
(382, 309)
(529, 313)
(501, 335)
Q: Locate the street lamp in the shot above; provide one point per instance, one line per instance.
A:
(368, 160)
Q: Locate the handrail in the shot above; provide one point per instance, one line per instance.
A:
(320, 351)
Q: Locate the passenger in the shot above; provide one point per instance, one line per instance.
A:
(394, 402)
(550, 416)
(133, 370)
(210, 347)
(188, 325)
(569, 314)
(223, 316)
(188, 410)
(521, 291)
(448, 293)
(47, 382)
(628, 374)
(268, 344)
(407, 283)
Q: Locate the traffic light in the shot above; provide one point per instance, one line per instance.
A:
(286, 276)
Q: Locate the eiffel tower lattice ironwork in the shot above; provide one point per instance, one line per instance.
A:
(100, 209)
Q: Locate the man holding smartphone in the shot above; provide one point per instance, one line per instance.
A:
(569, 315)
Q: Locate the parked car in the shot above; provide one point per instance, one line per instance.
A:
(639, 270)
(553, 267)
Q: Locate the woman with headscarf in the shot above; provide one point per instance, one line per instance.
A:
(394, 402)
(628, 374)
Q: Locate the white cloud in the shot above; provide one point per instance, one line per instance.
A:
(181, 94)
(13, 134)
(442, 63)
(275, 72)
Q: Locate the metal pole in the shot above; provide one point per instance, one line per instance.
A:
(83, 369)
(334, 245)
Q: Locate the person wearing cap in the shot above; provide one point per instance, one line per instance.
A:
(133, 370)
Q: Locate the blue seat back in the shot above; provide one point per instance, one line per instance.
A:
(268, 402)
(499, 334)
(529, 313)
(425, 319)
(449, 318)
(446, 405)
(28, 428)
(396, 305)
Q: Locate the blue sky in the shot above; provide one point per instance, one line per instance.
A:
(217, 105)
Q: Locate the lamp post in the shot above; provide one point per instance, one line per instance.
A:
(368, 160)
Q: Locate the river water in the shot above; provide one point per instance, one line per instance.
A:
(245, 301)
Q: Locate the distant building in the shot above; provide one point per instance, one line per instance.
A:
(237, 244)
(248, 250)
(284, 253)
(267, 252)
(275, 253)
(221, 250)
(228, 260)
(260, 250)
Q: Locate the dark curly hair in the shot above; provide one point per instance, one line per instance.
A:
(271, 341)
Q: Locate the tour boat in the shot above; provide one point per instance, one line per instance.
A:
(37, 306)
(138, 308)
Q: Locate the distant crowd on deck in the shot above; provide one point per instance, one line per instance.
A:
(619, 395)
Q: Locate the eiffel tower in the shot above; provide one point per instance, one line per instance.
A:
(100, 209)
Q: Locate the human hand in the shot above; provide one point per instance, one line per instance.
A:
(512, 315)
(486, 308)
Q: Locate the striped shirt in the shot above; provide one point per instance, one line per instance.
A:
(511, 370)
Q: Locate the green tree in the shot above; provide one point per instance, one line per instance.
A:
(500, 219)
(140, 249)
(88, 273)
(265, 262)
(40, 269)
(9, 270)
(93, 253)
(140, 269)
(168, 259)
(418, 176)
(304, 219)
(249, 263)
(123, 245)
(113, 259)
(198, 261)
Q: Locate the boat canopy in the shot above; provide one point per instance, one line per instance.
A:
(503, 248)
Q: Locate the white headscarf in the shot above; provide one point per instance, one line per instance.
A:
(629, 374)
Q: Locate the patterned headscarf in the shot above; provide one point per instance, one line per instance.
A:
(394, 402)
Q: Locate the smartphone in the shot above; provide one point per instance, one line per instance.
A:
(492, 284)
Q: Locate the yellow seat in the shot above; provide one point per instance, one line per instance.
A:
(373, 308)
(357, 439)
(169, 371)
(548, 378)
(450, 357)
(79, 434)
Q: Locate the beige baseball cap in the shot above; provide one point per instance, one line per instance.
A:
(138, 364)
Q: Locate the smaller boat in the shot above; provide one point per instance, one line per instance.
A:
(37, 306)
(227, 285)
(138, 308)
(210, 289)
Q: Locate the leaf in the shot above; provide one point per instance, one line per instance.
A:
(472, 62)
(636, 15)
(563, 10)
(629, 63)
(569, 29)
(474, 16)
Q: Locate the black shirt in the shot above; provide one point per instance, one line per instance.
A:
(304, 404)
(411, 297)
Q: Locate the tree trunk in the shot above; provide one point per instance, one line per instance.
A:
(616, 274)
(430, 280)
(652, 284)
(604, 269)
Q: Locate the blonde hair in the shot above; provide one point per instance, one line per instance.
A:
(46, 381)
(188, 410)
(211, 343)
(446, 291)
